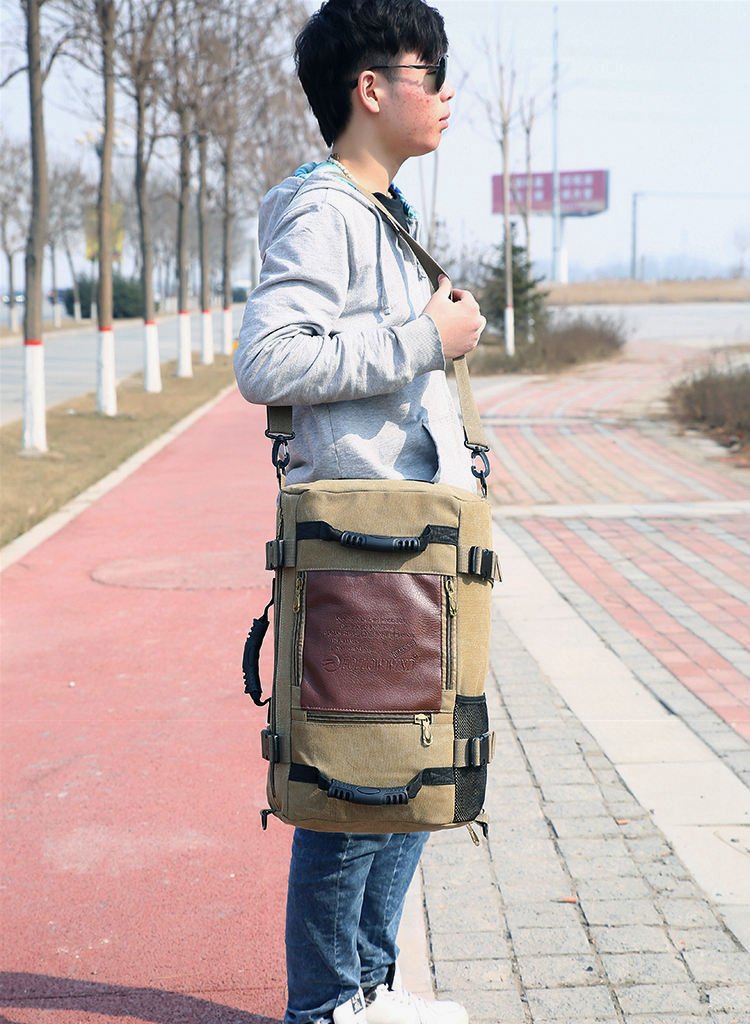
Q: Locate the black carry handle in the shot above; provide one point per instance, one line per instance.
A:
(375, 796)
(251, 657)
(377, 542)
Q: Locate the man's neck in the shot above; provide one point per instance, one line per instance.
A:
(372, 171)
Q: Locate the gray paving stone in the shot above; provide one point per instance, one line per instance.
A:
(630, 938)
(664, 876)
(644, 968)
(714, 967)
(660, 999)
(444, 918)
(558, 971)
(573, 776)
(593, 846)
(494, 1007)
(579, 828)
(612, 888)
(671, 1018)
(686, 913)
(457, 975)
(601, 867)
(545, 914)
(614, 912)
(730, 999)
(469, 945)
(573, 809)
(571, 1004)
(565, 939)
(649, 848)
(715, 939)
(554, 792)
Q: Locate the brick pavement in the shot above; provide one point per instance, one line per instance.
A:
(578, 908)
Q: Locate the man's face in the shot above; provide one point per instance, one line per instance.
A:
(413, 115)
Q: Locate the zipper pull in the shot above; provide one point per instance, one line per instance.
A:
(298, 585)
(450, 591)
(472, 833)
(425, 721)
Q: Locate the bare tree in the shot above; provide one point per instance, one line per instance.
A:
(15, 185)
(139, 73)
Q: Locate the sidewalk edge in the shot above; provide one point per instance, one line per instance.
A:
(21, 546)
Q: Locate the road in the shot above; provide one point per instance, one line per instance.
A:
(70, 356)
(70, 359)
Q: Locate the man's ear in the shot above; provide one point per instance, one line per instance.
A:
(368, 92)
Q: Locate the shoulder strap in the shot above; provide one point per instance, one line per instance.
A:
(280, 417)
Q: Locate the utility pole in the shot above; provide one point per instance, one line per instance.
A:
(555, 171)
(634, 237)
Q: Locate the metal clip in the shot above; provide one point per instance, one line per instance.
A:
(481, 472)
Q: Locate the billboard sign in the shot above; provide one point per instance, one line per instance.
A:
(582, 193)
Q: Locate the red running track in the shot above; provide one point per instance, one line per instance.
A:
(137, 883)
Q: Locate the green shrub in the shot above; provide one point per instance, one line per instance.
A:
(127, 297)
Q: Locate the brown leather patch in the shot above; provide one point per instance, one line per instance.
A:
(372, 642)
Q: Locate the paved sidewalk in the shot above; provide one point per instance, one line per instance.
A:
(621, 699)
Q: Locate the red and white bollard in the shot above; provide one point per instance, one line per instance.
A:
(106, 384)
(184, 346)
(34, 404)
(207, 337)
(151, 364)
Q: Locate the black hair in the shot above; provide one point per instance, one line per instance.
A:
(346, 36)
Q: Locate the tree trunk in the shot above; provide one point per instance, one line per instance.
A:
(106, 390)
(508, 322)
(12, 313)
(226, 245)
(207, 341)
(34, 412)
(184, 353)
(151, 366)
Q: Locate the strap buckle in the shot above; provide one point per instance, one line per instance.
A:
(280, 451)
(481, 472)
(483, 562)
(480, 750)
(274, 553)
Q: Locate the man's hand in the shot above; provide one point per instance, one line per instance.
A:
(457, 317)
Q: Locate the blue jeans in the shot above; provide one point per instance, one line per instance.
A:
(346, 895)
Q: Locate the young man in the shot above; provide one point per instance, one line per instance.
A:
(344, 328)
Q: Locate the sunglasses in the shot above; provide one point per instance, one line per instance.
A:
(439, 70)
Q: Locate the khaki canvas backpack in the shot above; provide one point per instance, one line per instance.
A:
(377, 720)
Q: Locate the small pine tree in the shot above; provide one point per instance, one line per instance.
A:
(528, 297)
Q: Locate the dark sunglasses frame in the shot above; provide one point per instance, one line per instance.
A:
(439, 70)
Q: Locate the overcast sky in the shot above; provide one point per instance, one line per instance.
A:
(655, 92)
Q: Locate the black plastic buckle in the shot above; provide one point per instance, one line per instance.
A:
(280, 458)
(274, 554)
(479, 750)
(270, 747)
(479, 451)
(482, 563)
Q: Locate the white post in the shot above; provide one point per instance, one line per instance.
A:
(56, 312)
(184, 346)
(228, 338)
(106, 390)
(14, 323)
(77, 311)
(34, 405)
(510, 331)
(207, 338)
(151, 364)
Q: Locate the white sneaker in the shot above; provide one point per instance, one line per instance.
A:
(396, 1006)
(353, 1011)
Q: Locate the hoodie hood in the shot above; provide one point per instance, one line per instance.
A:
(307, 178)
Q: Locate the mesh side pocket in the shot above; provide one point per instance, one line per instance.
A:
(470, 719)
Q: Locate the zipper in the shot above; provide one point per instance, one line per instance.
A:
(451, 607)
(422, 719)
(297, 635)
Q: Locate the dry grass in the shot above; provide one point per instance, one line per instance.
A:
(85, 446)
(716, 400)
(563, 343)
(623, 292)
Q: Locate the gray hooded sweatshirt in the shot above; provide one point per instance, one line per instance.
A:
(336, 329)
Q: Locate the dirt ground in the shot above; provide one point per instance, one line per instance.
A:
(625, 291)
(84, 446)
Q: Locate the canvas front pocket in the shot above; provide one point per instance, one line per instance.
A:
(373, 642)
